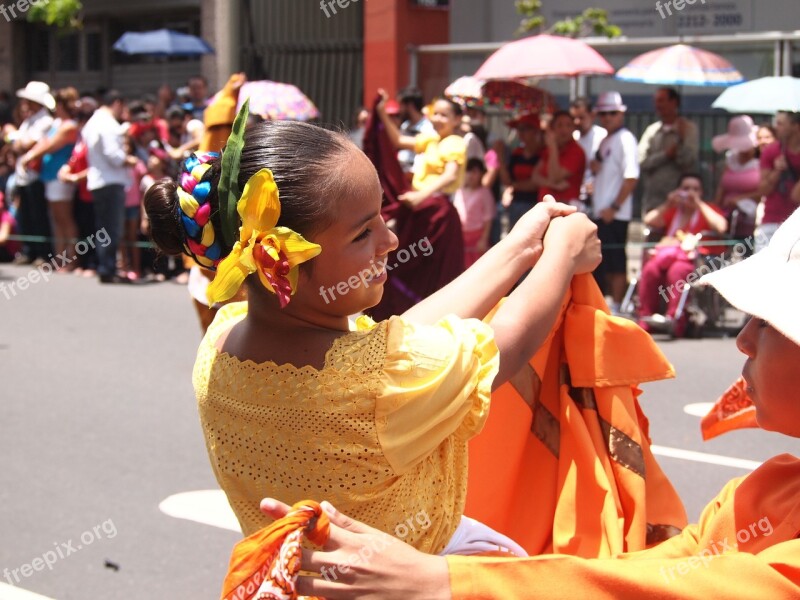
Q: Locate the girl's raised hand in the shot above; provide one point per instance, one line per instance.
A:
(577, 236)
(530, 229)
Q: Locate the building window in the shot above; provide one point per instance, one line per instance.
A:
(94, 51)
(68, 52)
(39, 49)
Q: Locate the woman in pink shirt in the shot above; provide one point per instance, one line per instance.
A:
(737, 193)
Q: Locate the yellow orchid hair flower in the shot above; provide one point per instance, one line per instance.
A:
(275, 253)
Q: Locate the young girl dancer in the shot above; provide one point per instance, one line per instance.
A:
(294, 403)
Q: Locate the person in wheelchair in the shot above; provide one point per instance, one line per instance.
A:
(685, 216)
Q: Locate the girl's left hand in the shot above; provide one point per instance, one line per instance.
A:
(361, 562)
(412, 198)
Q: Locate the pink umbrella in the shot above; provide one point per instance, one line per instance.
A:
(544, 56)
(277, 101)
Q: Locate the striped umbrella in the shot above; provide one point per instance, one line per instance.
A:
(680, 65)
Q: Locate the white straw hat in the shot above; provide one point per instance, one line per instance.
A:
(767, 285)
(39, 92)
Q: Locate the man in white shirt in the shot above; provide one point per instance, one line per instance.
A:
(589, 136)
(616, 170)
(33, 215)
(107, 178)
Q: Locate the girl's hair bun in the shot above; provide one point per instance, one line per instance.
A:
(161, 203)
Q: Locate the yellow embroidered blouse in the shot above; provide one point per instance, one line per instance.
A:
(436, 154)
(381, 431)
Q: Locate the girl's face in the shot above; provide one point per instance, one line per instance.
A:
(154, 164)
(764, 137)
(444, 118)
(473, 178)
(349, 274)
(771, 375)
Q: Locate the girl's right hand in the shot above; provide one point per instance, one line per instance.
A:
(577, 236)
(530, 229)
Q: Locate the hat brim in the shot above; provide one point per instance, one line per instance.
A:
(723, 142)
(621, 108)
(47, 101)
(764, 285)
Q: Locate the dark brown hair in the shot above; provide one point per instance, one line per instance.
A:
(304, 160)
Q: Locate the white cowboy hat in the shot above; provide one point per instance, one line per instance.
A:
(767, 285)
(39, 92)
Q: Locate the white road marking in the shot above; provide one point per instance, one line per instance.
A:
(209, 507)
(714, 459)
(11, 592)
(699, 409)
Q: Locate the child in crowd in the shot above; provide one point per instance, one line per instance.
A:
(131, 254)
(293, 402)
(8, 227)
(476, 209)
(745, 545)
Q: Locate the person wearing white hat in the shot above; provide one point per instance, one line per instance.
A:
(33, 214)
(745, 545)
(616, 170)
(738, 187)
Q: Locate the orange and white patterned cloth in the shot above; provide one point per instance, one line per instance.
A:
(264, 565)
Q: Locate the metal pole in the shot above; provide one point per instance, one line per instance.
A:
(787, 57)
(413, 65)
(776, 68)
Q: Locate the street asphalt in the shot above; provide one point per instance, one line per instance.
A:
(98, 426)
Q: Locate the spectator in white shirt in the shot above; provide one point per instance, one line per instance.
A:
(616, 170)
(107, 178)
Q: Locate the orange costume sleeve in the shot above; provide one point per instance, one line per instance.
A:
(575, 474)
(745, 546)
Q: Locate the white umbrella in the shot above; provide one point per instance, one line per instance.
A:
(767, 96)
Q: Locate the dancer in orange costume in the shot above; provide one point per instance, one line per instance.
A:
(745, 545)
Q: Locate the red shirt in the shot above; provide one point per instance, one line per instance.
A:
(778, 205)
(572, 158)
(77, 163)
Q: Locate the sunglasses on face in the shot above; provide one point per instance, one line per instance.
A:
(607, 113)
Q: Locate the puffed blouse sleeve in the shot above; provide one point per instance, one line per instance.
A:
(453, 149)
(436, 384)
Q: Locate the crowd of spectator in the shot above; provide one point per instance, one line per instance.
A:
(73, 164)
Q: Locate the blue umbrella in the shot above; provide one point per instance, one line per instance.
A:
(162, 42)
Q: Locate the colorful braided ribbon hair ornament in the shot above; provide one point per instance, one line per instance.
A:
(194, 211)
(264, 565)
(262, 247)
